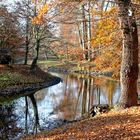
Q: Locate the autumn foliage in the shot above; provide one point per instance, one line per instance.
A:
(11, 39)
(107, 41)
(39, 18)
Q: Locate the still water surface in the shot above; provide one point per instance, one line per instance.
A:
(56, 105)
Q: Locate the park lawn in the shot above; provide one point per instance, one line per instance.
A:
(15, 75)
(20, 75)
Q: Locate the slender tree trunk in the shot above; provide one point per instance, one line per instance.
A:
(27, 46)
(129, 66)
(27, 37)
(84, 34)
(107, 5)
(89, 94)
(34, 62)
(103, 5)
(37, 44)
(89, 30)
(26, 54)
(92, 93)
(98, 94)
(79, 36)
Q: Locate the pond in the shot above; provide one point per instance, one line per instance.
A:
(56, 105)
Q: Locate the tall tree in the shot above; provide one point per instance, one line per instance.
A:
(27, 38)
(24, 10)
(84, 33)
(38, 21)
(129, 66)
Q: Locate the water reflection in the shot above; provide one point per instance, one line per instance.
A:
(36, 125)
(79, 94)
(8, 122)
(52, 106)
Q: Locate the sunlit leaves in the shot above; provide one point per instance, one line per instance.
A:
(39, 19)
(43, 10)
(136, 1)
(106, 27)
(75, 53)
(106, 39)
(71, 53)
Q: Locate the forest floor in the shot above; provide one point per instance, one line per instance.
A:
(114, 125)
(18, 79)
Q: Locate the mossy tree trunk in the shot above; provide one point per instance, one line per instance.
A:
(34, 62)
(37, 47)
(129, 66)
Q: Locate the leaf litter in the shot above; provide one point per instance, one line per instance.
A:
(114, 125)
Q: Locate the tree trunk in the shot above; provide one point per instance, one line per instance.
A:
(27, 37)
(34, 62)
(129, 66)
(79, 36)
(89, 30)
(84, 33)
(26, 50)
(37, 41)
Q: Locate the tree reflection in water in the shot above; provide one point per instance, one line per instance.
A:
(89, 91)
(8, 125)
(36, 126)
(9, 129)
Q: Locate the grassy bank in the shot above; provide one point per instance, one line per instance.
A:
(67, 65)
(9, 78)
(17, 80)
(18, 75)
(80, 67)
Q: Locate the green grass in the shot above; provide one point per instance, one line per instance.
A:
(57, 62)
(68, 65)
(49, 63)
(10, 79)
